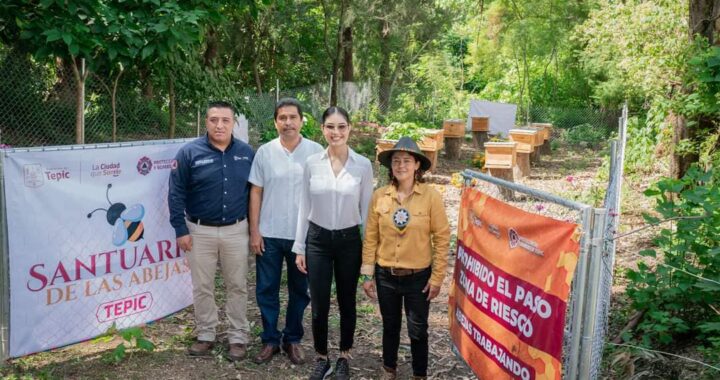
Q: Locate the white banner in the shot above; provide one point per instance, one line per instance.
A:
(501, 115)
(90, 243)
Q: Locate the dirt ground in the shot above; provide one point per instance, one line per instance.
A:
(173, 335)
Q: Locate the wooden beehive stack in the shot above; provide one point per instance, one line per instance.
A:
(454, 135)
(525, 140)
(500, 160)
(547, 135)
(480, 127)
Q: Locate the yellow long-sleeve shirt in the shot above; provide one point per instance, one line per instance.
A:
(424, 241)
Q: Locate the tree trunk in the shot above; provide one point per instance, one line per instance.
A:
(385, 73)
(681, 161)
(63, 90)
(703, 21)
(148, 90)
(211, 48)
(171, 95)
(348, 69)
(80, 75)
(113, 103)
(333, 82)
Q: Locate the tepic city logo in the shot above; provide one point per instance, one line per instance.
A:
(127, 222)
(144, 165)
(33, 175)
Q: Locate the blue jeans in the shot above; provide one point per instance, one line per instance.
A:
(269, 272)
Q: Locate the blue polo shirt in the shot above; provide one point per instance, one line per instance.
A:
(209, 184)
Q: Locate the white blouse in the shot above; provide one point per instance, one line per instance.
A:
(331, 202)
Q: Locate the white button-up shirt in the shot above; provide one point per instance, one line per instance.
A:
(280, 173)
(331, 202)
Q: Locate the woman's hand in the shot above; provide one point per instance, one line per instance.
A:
(369, 288)
(300, 262)
(432, 291)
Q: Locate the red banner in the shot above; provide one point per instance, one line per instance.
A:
(510, 289)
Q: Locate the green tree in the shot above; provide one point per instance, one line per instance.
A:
(93, 34)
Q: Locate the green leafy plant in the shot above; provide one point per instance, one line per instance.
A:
(586, 133)
(133, 339)
(678, 289)
(312, 130)
(397, 130)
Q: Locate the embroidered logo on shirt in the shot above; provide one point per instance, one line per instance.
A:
(244, 158)
(401, 218)
(203, 162)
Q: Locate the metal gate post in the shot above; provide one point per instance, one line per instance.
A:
(578, 299)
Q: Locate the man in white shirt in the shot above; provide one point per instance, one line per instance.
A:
(277, 176)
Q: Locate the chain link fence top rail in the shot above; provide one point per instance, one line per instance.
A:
(544, 204)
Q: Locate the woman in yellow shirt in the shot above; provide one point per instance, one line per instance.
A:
(405, 252)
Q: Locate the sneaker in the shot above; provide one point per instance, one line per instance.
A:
(342, 369)
(322, 369)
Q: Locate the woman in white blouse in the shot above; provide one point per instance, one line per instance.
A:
(334, 203)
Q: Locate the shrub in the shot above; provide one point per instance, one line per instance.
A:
(680, 293)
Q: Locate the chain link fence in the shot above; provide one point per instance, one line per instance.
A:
(541, 203)
(612, 205)
(38, 106)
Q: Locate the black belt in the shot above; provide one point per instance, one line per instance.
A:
(345, 233)
(197, 221)
(399, 272)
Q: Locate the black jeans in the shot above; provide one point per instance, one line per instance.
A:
(392, 292)
(338, 251)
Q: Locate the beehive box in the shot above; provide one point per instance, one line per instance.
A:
(432, 155)
(500, 155)
(454, 127)
(526, 136)
(432, 139)
(480, 124)
(546, 128)
(382, 145)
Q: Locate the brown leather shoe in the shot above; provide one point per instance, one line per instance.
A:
(201, 348)
(294, 352)
(236, 351)
(266, 353)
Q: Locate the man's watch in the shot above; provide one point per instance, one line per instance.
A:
(366, 277)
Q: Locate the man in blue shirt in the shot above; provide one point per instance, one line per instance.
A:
(208, 201)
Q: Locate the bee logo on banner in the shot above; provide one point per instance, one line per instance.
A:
(127, 222)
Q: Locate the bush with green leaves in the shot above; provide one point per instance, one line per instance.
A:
(397, 130)
(586, 133)
(679, 289)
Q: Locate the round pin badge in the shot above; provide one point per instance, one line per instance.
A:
(401, 217)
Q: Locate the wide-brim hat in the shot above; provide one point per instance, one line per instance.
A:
(405, 144)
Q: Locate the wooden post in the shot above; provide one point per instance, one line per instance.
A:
(453, 147)
(479, 139)
(506, 174)
(480, 129)
(523, 163)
